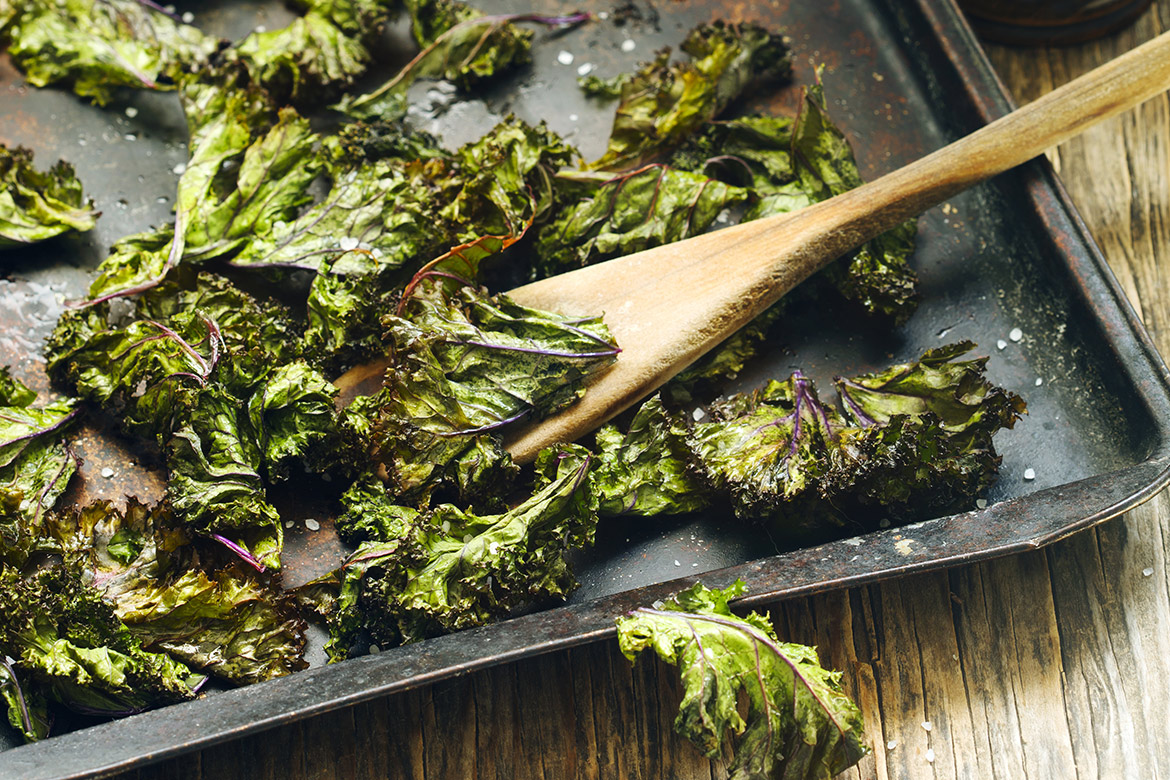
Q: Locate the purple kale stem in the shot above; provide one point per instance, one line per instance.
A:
(485, 428)
(69, 456)
(246, 556)
(532, 351)
(360, 557)
(190, 350)
(25, 717)
(843, 386)
(588, 335)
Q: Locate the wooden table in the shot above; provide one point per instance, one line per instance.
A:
(1052, 664)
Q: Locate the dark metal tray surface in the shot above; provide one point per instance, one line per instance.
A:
(903, 78)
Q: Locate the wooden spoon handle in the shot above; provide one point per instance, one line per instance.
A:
(669, 305)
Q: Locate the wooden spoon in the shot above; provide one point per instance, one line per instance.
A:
(669, 305)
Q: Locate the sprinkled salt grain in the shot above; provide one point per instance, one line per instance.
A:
(326, 477)
(312, 524)
(260, 28)
(188, 17)
(107, 472)
(981, 503)
(603, 15)
(1039, 381)
(467, 538)
(694, 565)
(1016, 334)
(349, 243)
(565, 57)
(573, 117)
(676, 563)
(1029, 474)
(930, 755)
(893, 743)
(131, 111)
(1001, 344)
(1148, 572)
(289, 523)
(446, 526)
(926, 724)
(130, 137)
(179, 169)
(884, 523)
(585, 69)
(698, 414)
(375, 649)
(82, 142)
(493, 547)
(628, 44)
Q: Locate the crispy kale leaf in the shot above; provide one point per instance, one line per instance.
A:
(467, 364)
(36, 205)
(222, 621)
(459, 45)
(97, 45)
(316, 55)
(767, 449)
(250, 168)
(64, 637)
(664, 103)
(638, 210)
(645, 471)
(27, 708)
(451, 569)
(914, 440)
(799, 723)
(924, 436)
(35, 464)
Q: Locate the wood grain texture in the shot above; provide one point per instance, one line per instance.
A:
(1045, 665)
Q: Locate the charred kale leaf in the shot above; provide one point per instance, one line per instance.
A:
(799, 723)
(37, 205)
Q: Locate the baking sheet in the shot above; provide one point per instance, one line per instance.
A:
(902, 78)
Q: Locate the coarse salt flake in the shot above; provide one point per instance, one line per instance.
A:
(565, 57)
(348, 244)
(676, 563)
(981, 503)
(188, 17)
(585, 69)
(1039, 381)
(628, 44)
(1016, 334)
(179, 169)
(312, 524)
(1001, 344)
(1029, 474)
(1148, 571)
(698, 414)
(289, 523)
(131, 111)
(930, 755)
(927, 725)
(375, 649)
(573, 117)
(893, 743)
(107, 472)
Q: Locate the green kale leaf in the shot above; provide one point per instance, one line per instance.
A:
(451, 569)
(467, 364)
(64, 637)
(638, 210)
(37, 205)
(225, 622)
(645, 471)
(664, 103)
(799, 723)
(27, 708)
(35, 464)
(97, 45)
(459, 45)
